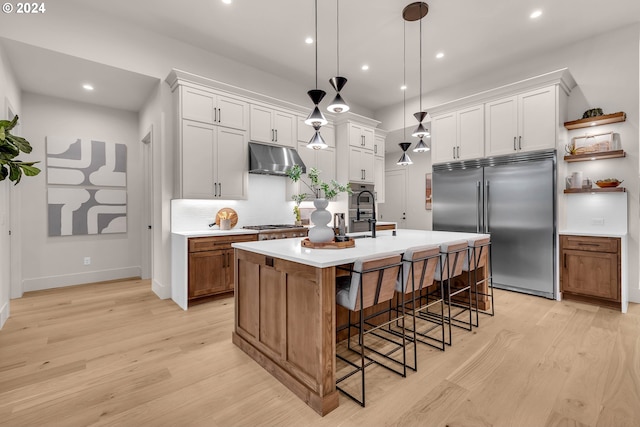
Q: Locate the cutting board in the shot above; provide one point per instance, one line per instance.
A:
(230, 214)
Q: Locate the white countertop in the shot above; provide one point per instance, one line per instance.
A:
(384, 244)
(591, 233)
(215, 232)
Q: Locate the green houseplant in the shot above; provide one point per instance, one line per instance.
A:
(10, 148)
(322, 192)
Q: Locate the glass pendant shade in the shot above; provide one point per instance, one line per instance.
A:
(317, 142)
(404, 160)
(421, 147)
(316, 118)
(338, 105)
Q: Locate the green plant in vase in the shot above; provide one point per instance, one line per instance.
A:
(322, 192)
(10, 148)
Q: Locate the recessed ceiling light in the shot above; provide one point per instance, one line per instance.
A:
(87, 86)
(403, 87)
(365, 67)
(440, 55)
(308, 40)
(226, 1)
(535, 14)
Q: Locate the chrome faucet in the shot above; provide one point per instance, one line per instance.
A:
(372, 221)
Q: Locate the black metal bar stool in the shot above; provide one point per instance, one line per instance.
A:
(452, 257)
(372, 281)
(419, 267)
(479, 256)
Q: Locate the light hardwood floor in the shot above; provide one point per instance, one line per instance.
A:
(114, 354)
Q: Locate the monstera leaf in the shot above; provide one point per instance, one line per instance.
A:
(10, 147)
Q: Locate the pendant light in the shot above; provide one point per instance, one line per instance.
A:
(404, 159)
(338, 105)
(316, 118)
(415, 12)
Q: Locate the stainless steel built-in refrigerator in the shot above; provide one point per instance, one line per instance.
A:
(513, 199)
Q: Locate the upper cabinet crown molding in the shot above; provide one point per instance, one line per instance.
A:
(352, 117)
(179, 77)
(561, 77)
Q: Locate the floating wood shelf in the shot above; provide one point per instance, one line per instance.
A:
(597, 121)
(595, 156)
(595, 190)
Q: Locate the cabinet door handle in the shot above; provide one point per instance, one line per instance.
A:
(520, 142)
(375, 149)
(514, 144)
(271, 135)
(454, 152)
(458, 151)
(215, 189)
(276, 135)
(219, 189)
(219, 116)
(215, 115)
(565, 260)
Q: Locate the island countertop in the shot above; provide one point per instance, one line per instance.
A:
(384, 244)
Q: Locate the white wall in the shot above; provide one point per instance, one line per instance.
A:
(58, 261)
(606, 69)
(9, 94)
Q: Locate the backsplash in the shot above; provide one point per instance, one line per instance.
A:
(266, 204)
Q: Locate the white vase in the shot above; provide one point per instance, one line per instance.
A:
(320, 232)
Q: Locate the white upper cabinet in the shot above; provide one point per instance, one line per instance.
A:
(378, 146)
(323, 160)
(379, 181)
(272, 126)
(361, 136)
(361, 165)
(458, 135)
(213, 162)
(525, 122)
(213, 108)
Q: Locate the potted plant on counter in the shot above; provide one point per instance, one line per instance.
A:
(322, 192)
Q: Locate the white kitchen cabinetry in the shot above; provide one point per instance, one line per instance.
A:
(378, 165)
(213, 162)
(458, 135)
(361, 165)
(272, 126)
(524, 122)
(323, 160)
(212, 108)
(361, 136)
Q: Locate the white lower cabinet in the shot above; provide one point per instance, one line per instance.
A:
(214, 162)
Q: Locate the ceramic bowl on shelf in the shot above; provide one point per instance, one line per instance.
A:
(608, 183)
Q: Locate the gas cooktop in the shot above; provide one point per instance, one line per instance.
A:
(271, 226)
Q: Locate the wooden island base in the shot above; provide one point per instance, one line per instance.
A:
(285, 321)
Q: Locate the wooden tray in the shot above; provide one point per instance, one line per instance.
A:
(231, 214)
(328, 245)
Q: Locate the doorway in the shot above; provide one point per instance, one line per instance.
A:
(146, 259)
(395, 202)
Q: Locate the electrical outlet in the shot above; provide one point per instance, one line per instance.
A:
(87, 260)
(597, 221)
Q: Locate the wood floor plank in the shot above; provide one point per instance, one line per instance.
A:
(114, 354)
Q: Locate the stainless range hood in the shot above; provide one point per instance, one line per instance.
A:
(271, 160)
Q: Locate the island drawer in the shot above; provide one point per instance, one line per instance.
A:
(590, 243)
(212, 243)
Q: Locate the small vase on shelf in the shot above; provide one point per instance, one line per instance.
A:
(321, 232)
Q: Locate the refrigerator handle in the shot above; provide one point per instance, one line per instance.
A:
(478, 206)
(488, 200)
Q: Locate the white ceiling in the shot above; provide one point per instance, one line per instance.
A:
(475, 36)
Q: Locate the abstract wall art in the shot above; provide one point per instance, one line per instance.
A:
(86, 191)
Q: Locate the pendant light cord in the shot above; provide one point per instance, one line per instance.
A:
(316, 23)
(338, 36)
(420, 57)
(404, 80)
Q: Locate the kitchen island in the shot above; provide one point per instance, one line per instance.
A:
(285, 310)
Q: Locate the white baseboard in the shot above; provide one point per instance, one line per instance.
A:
(50, 282)
(4, 313)
(163, 292)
